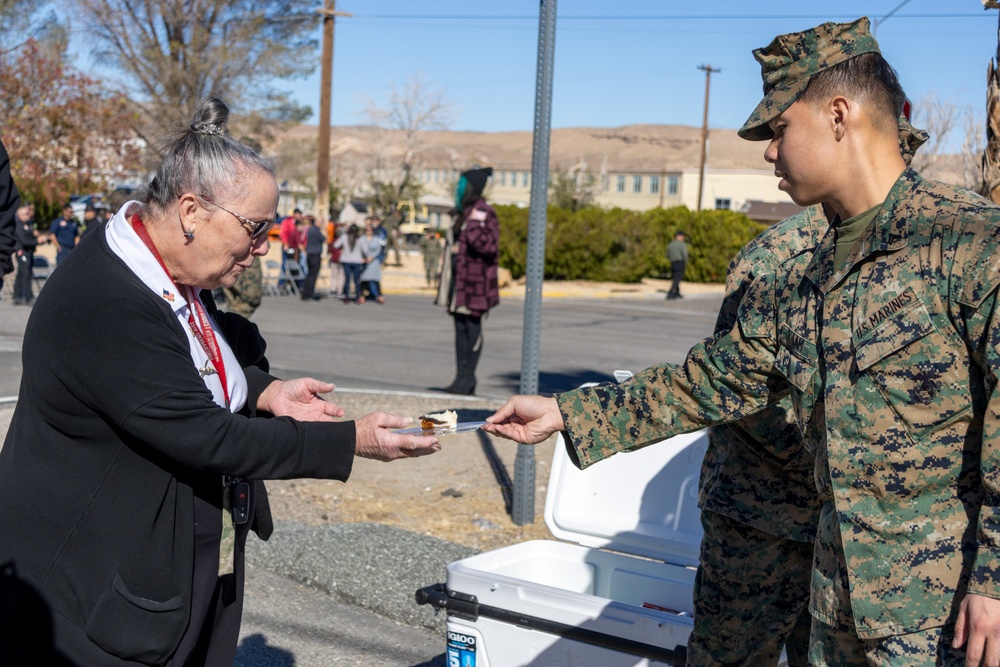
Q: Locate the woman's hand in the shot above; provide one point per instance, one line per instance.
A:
(375, 439)
(526, 419)
(299, 399)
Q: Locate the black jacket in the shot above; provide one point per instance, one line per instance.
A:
(113, 434)
(9, 202)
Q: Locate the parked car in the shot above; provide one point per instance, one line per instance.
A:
(81, 202)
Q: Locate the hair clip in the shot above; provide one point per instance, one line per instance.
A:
(208, 128)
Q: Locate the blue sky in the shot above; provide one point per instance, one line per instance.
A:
(627, 62)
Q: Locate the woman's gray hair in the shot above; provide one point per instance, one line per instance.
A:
(203, 159)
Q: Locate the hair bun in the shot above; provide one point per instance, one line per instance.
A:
(212, 118)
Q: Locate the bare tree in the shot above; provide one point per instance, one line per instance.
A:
(939, 118)
(574, 188)
(397, 147)
(175, 53)
(973, 149)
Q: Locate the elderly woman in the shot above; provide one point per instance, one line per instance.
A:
(126, 490)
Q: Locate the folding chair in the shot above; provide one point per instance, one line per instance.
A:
(293, 272)
(272, 274)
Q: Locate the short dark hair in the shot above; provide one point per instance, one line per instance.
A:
(868, 77)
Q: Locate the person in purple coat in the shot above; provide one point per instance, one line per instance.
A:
(469, 286)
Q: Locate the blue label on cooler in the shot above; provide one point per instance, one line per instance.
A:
(461, 650)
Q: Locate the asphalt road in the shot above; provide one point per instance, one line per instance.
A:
(407, 343)
(406, 346)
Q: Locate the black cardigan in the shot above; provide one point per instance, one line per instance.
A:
(113, 432)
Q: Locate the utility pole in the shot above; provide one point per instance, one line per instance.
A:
(704, 132)
(326, 92)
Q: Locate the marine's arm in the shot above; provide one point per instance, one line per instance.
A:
(723, 378)
(977, 627)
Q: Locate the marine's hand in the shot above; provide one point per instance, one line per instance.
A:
(376, 440)
(526, 419)
(299, 399)
(978, 628)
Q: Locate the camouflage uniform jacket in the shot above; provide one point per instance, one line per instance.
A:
(892, 366)
(756, 471)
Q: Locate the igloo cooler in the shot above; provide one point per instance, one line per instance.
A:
(619, 595)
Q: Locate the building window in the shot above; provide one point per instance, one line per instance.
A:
(503, 178)
(671, 185)
(654, 185)
(620, 185)
(637, 184)
(605, 182)
(524, 180)
(724, 204)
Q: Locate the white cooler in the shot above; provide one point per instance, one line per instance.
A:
(620, 595)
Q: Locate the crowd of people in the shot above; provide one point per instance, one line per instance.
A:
(64, 232)
(355, 255)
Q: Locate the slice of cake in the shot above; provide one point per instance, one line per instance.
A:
(446, 419)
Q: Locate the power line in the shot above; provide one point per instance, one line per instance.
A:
(645, 17)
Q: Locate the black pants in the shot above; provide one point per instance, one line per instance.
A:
(216, 602)
(312, 273)
(22, 282)
(468, 347)
(678, 275)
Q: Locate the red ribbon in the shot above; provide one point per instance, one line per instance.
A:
(203, 334)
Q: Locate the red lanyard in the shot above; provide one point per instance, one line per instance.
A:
(204, 333)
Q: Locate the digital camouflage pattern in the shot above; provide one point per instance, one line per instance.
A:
(758, 499)
(789, 61)
(839, 647)
(756, 470)
(751, 594)
(244, 297)
(892, 365)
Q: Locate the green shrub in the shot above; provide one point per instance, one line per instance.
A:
(619, 245)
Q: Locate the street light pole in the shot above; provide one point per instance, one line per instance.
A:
(704, 132)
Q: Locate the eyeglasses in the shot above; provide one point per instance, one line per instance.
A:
(255, 229)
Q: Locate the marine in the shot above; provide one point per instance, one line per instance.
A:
(903, 414)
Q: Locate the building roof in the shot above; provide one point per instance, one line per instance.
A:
(770, 212)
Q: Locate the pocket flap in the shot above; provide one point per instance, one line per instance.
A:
(797, 359)
(891, 334)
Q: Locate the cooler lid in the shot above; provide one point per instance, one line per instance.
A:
(643, 503)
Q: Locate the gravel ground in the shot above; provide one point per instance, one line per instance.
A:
(460, 494)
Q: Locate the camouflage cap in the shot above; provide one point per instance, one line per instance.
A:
(788, 62)
(910, 139)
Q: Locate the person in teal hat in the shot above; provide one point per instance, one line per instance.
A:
(469, 287)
